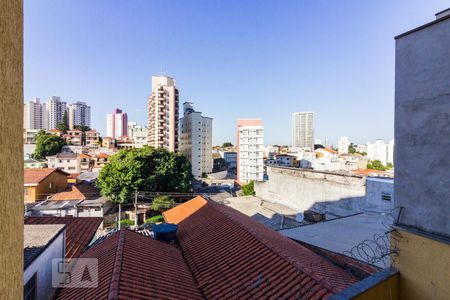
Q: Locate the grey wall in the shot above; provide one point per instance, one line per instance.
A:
(375, 187)
(422, 128)
(304, 189)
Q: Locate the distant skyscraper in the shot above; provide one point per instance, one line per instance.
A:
(303, 130)
(343, 145)
(163, 114)
(117, 124)
(250, 147)
(56, 109)
(79, 114)
(381, 151)
(35, 115)
(196, 140)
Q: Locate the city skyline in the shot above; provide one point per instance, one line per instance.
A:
(120, 76)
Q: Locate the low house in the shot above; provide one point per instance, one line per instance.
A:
(286, 160)
(125, 142)
(42, 244)
(55, 208)
(41, 183)
(109, 143)
(75, 137)
(66, 161)
(29, 136)
(86, 162)
(92, 138)
(100, 160)
(32, 163)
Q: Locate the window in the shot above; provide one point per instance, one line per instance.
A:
(386, 196)
(29, 289)
(71, 168)
(26, 191)
(50, 185)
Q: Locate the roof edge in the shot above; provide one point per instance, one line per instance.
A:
(115, 278)
(423, 26)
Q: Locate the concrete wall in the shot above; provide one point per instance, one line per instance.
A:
(304, 189)
(375, 188)
(422, 127)
(11, 151)
(42, 265)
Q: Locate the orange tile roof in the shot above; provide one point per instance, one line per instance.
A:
(329, 150)
(82, 155)
(367, 172)
(80, 191)
(102, 155)
(34, 176)
(183, 211)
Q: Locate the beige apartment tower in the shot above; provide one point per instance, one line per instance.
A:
(163, 114)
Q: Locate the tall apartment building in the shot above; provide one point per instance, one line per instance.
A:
(163, 114)
(117, 124)
(56, 109)
(303, 130)
(196, 140)
(250, 148)
(381, 151)
(138, 134)
(343, 144)
(79, 113)
(35, 115)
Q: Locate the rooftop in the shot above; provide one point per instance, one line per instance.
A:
(79, 231)
(80, 191)
(36, 239)
(35, 176)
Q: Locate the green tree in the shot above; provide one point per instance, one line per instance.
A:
(47, 144)
(143, 169)
(351, 148)
(248, 189)
(376, 165)
(64, 125)
(162, 203)
(389, 166)
(83, 128)
(227, 144)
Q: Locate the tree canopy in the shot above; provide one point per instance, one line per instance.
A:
(83, 128)
(249, 189)
(63, 126)
(227, 144)
(376, 165)
(47, 144)
(144, 169)
(162, 203)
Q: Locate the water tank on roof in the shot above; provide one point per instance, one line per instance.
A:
(166, 232)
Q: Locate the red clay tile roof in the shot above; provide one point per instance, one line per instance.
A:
(102, 155)
(367, 172)
(234, 256)
(34, 176)
(133, 266)
(79, 231)
(81, 191)
(329, 150)
(183, 211)
(82, 155)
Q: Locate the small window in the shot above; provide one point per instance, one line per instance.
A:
(386, 196)
(29, 289)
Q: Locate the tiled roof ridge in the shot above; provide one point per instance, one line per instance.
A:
(115, 278)
(306, 270)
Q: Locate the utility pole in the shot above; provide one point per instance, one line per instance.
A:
(135, 209)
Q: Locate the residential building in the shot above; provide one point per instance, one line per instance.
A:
(124, 142)
(100, 160)
(92, 138)
(250, 148)
(231, 159)
(41, 183)
(86, 162)
(75, 137)
(109, 143)
(35, 115)
(286, 160)
(303, 130)
(163, 114)
(56, 110)
(422, 160)
(31, 163)
(79, 113)
(380, 194)
(117, 124)
(66, 161)
(326, 160)
(196, 140)
(29, 136)
(41, 245)
(381, 151)
(343, 145)
(139, 134)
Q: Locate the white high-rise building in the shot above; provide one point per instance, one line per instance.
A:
(163, 114)
(250, 148)
(196, 140)
(56, 109)
(303, 130)
(79, 114)
(381, 151)
(35, 115)
(117, 124)
(343, 145)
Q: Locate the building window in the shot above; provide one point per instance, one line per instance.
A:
(26, 191)
(386, 196)
(29, 289)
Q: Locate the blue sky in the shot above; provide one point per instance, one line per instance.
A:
(233, 59)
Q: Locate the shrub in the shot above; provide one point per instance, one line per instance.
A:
(162, 203)
(155, 219)
(126, 222)
(248, 189)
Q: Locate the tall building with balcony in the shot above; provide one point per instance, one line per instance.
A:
(35, 115)
(79, 113)
(56, 110)
(163, 114)
(250, 148)
(303, 130)
(196, 140)
(117, 124)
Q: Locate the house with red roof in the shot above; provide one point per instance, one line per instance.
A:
(42, 183)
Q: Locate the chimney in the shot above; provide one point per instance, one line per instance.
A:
(444, 13)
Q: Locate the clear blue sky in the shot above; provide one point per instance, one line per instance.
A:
(233, 59)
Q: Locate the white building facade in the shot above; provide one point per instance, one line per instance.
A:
(79, 113)
(381, 151)
(196, 140)
(343, 144)
(35, 115)
(303, 130)
(56, 110)
(250, 150)
(117, 124)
